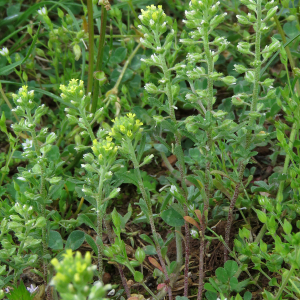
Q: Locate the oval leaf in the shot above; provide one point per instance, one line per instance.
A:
(161, 285)
(92, 243)
(192, 221)
(172, 217)
(231, 267)
(55, 240)
(75, 240)
(155, 263)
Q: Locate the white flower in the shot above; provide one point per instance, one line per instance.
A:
(4, 51)
(28, 144)
(173, 189)
(111, 293)
(42, 11)
(21, 179)
(31, 289)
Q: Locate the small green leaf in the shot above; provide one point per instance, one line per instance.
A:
(147, 239)
(138, 276)
(247, 296)
(209, 287)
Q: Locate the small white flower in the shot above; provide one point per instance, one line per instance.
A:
(194, 233)
(21, 179)
(111, 293)
(31, 289)
(173, 189)
(4, 51)
(152, 22)
(42, 11)
(28, 144)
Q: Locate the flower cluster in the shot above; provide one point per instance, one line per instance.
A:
(105, 150)
(74, 92)
(153, 16)
(74, 275)
(155, 19)
(202, 14)
(127, 127)
(25, 103)
(24, 99)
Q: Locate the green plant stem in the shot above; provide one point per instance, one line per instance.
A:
(294, 133)
(133, 11)
(181, 165)
(99, 64)
(210, 97)
(178, 246)
(148, 290)
(114, 90)
(10, 155)
(287, 49)
(87, 125)
(8, 103)
(99, 223)
(284, 283)
(149, 206)
(91, 45)
(255, 97)
(120, 267)
(43, 194)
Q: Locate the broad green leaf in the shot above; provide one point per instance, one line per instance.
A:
(172, 217)
(55, 240)
(147, 239)
(75, 240)
(92, 243)
(209, 287)
(231, 267)
(118, 55)
(222, 275)
(211, 295)
(82, 218)
(138, 276)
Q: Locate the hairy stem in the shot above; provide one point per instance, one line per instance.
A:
(181, 167)
(99, 64)
(251, 123)
(112, 240)
(210, 69)
(150, 215)
(99, 223)
(91, 45)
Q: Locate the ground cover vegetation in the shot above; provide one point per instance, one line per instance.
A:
(149, 149)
